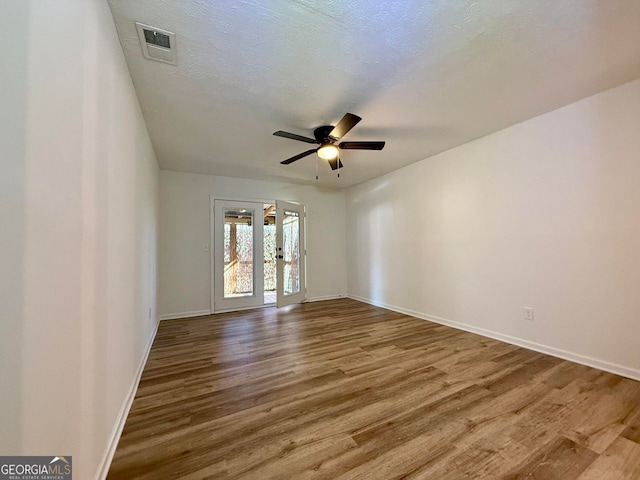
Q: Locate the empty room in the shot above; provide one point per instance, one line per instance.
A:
(320, 240)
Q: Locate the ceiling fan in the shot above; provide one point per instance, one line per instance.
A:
(327, 137)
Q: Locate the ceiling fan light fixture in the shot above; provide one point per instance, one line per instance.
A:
(327, 137)
(328, 151)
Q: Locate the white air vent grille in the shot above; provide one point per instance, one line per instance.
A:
(157, 44)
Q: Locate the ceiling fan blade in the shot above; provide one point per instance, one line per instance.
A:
(362, 145)
(334, 163)
(345, 124)
(293, 136)
(298, 157)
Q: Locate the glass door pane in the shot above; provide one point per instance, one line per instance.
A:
(269, 253)
(238, 252)
(291, 251)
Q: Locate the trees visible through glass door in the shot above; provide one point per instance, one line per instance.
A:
(238, 253)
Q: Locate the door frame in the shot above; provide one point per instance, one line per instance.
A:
(212, 200)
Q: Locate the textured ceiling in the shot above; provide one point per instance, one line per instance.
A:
(425, 76)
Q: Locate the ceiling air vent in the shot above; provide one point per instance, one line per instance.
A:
(157, 44)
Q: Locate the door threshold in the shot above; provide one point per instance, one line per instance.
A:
(240, 309)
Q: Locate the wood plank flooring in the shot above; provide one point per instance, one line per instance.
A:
(343, 390)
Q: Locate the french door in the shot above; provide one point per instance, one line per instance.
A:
(290, 254)
(247, 257)
(238, 259)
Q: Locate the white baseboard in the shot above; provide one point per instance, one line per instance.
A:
(621, 370)
(325, 297)
(124, 412)
(194, 313)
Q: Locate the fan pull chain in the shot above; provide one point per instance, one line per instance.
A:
(316, 167)
(338, 167)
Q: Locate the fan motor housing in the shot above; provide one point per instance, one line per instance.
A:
(321, 134)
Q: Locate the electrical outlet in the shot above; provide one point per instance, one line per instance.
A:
(528, 313)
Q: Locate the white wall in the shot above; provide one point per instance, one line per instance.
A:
(78, 186)
(543, 214)
(184, 270)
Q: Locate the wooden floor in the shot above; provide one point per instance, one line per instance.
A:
(341, 389)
